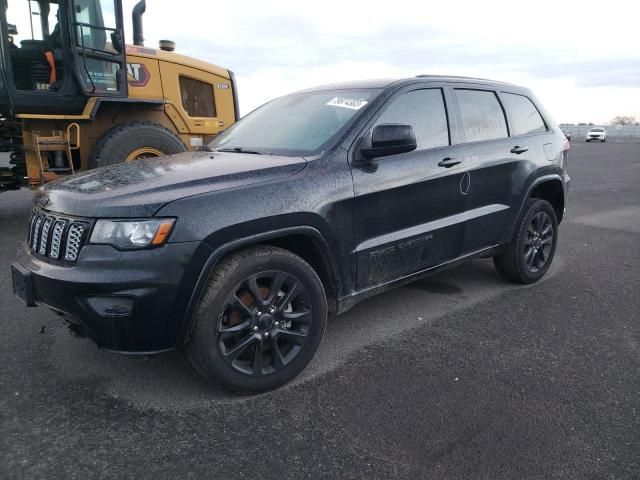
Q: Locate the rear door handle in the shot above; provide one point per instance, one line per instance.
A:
(449, 162)
(518, 150)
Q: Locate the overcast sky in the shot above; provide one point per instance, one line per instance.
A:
(582, 58)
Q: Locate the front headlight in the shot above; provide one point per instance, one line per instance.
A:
(132, 233)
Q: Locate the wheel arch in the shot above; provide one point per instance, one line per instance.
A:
(551, 190)
(303, 240)
(548, 187)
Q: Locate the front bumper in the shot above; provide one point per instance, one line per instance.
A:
(136, 292)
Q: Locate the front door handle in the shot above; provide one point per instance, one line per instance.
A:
(449, 162)
(518, 150)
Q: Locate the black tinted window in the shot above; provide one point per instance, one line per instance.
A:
(424, 111)
(197, 98)
(523, 114)
(482, 115)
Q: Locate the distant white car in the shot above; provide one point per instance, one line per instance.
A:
(596, 133)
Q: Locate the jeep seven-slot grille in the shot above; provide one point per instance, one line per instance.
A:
(55, 237)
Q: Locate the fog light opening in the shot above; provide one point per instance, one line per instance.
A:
(111, 306)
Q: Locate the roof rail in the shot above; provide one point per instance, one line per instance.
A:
(461, 77)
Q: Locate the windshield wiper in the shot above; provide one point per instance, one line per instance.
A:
(238, 150)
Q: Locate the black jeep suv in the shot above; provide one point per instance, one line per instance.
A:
(309, 204)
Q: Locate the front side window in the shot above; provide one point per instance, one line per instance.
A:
(33, 35)
(197, 98)
(297, 124)
(482, 115)
(524, 115)
(424, 110)
(95, 22)
(28, 21)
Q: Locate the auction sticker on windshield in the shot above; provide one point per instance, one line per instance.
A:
(352, 103)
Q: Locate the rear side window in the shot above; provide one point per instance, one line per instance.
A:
(197, 98)
(523, 114)
(424, 110)
(482, 115)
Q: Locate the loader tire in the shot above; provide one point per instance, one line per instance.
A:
(133, 141)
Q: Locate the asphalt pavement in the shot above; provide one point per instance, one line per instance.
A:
(461, 375)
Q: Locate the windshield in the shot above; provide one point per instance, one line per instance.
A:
(597, 129)
(297, 124)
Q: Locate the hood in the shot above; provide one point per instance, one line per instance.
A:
(140, 188)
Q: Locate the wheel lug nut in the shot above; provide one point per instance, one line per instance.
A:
(258, 313)
(266, 334)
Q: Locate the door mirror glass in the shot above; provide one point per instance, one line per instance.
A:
(116, 41)
(390, 139)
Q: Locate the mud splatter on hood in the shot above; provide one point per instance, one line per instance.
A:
(140, 188)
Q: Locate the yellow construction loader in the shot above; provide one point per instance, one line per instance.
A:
(74, 96)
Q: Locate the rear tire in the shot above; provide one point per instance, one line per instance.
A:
(252, 331)
(529, 254)
(134, 140)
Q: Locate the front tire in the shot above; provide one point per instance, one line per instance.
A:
(260, 320)
(528, 256)
(132, 141)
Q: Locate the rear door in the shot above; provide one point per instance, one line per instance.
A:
(407, 207)
(490, 169)
(98, 46)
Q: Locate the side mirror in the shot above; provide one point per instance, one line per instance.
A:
(390, 139)
(116, 41)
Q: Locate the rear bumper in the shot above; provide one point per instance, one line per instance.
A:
(125, 301)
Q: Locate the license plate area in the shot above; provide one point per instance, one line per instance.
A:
(23, 284)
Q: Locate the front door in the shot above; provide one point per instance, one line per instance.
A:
(35, 64)
(408, 207)
(98, 45)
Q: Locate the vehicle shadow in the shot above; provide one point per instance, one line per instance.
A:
(166, 381)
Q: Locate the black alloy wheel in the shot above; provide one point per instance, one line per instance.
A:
(539, 241)
(264, 323)
(529, 253)
(259, 321)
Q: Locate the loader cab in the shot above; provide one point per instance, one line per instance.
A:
(55, 54)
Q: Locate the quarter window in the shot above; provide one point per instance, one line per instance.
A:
(523, 114)
(424, 110)
(482, 115)
(197, 98)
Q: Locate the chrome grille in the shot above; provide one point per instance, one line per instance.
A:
(44, 235)
(36, 233)
(74, 242)
(56, 237)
